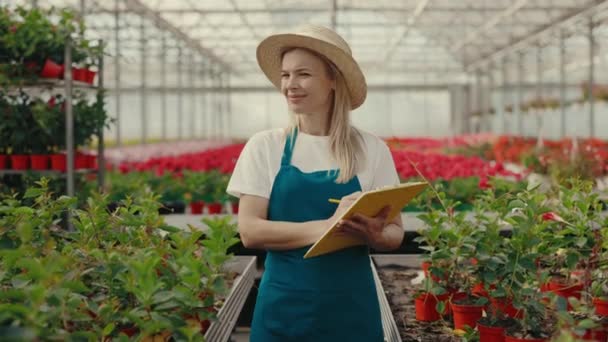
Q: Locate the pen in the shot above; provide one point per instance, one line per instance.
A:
(333, 200)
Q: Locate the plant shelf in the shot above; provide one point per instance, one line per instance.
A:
(221, 328)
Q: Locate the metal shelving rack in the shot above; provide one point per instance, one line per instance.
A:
(69, 84)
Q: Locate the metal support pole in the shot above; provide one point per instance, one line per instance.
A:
(101, 161)
(562, 82)
(539, 94)
(204, 102)
(180, 87)
(479, 99)
(82, 7)
(117, 69)
(229, 103)
(520, 95)
(490, 99)
(144, 102)
(163, 81)
(69, 117)
(504, 100)
(334, 10)
(192, 94)
(591, 79)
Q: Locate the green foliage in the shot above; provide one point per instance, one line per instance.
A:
(115, 270)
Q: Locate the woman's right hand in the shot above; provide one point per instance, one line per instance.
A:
(345, 203)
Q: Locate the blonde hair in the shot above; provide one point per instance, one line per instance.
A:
(345, 141)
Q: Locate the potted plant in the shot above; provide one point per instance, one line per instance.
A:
(525, 248)
(216, 195)
(197, 186)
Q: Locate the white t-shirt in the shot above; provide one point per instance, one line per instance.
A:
(260, 161)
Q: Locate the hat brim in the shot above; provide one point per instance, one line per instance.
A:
(269, 53)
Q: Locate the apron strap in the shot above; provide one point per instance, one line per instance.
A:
(288, 149)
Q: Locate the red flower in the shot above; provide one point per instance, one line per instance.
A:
(484, 184)
(551, 216)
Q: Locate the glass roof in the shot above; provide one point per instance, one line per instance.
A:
(400, 42)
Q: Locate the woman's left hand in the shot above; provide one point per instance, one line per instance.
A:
(370, 229)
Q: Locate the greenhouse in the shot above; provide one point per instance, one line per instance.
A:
(279, 170)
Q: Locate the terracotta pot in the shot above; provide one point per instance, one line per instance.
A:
(20, 161)
(466, 315)
(39, 161)
(491, 334)
(59, 162)
(215, 208)
(51, 70)
(3, 161)
(426, 307)
(515, 339)
(196, 207)
(601, 306)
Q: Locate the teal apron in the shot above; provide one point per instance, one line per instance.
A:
(326, 298)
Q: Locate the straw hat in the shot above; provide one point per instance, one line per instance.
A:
(321, 40)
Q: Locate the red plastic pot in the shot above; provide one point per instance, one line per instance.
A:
(3, 161)
(196, 207)
(235, 207)
(491, 334)
(466, 315)
(89, 76)
(81, 161)
(480, 291)
(51, 70)
(425, 268)
(601, 307)
(91, 161)
(79, 75)
(506, 305)
(597, 335)
(214, 208)
(515, 339)
(20, 161)
(39, 161)
(426, 307)
(566, 291)
(59, 162)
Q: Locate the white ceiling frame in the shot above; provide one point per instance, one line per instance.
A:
(405, 30)
(138, 6)
(509, 11)
(564, 21)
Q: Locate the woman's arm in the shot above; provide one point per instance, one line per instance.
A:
(258, 232)
(380, 234)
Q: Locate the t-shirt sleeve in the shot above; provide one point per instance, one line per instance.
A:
(251, 172)
(385, 173)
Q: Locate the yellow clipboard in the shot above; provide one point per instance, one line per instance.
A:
(369, 204)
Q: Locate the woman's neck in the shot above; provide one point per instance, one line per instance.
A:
(313, 124)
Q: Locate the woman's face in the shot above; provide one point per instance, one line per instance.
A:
(305, 83)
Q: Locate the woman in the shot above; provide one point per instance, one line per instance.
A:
(284, 178)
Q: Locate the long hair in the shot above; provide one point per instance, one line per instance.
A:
(346, 142)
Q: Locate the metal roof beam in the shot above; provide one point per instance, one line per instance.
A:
(138, 6)
(567, 19)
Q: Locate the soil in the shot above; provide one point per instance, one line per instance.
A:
(400, 292)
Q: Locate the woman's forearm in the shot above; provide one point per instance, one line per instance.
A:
(392, 237)
(279, 235)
